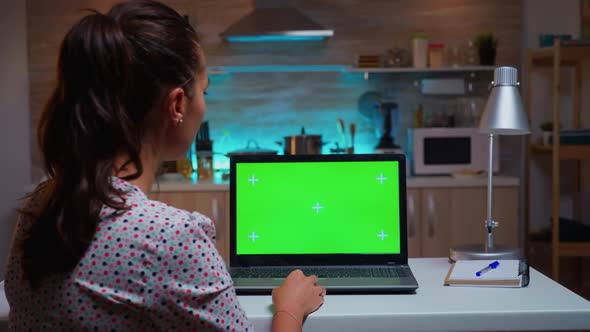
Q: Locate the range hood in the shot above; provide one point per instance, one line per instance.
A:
(273, 20)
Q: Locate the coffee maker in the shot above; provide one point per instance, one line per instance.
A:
(389, 113)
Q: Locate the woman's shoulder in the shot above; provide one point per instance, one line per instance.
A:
(184, 219)
(167, 212)
(150, 215)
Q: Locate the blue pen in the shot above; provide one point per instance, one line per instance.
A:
(491, 266)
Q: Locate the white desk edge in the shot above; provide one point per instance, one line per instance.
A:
(543, 305)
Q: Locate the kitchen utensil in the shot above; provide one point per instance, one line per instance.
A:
(251, 148)
(352, 132)
(342, 131)
(386, 142)
(368, 103)
(203, 133)
(350, 149)
(302, 144)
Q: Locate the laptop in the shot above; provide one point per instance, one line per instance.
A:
(340, 217)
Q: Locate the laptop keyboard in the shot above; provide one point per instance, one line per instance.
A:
(323, 272)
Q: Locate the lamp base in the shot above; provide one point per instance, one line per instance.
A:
(479, 252)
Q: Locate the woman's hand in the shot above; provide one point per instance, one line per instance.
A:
(298, 295)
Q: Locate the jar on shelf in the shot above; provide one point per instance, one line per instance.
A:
(184, 166)
(435, 54)
(470, 53)
(420, 50)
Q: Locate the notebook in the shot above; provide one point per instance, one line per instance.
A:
(340, 217)
(507, 273)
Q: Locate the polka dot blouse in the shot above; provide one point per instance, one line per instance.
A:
(153, 267)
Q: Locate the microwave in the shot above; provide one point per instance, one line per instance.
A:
(438, 151)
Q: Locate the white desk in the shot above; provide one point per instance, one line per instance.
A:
(543, 305)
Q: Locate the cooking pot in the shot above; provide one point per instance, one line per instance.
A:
(249, 151)
(302, 144)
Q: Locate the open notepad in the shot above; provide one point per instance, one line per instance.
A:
(509, 273)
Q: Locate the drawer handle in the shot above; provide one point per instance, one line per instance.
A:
(214, 209)
(411, 216)
(217, 216)
(431, 204)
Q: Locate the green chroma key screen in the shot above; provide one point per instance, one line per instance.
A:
(317, 208)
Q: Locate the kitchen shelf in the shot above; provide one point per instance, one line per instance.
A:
(420, 70)
(566, 152)
(223, 70)
(574, 249)
(569, 55)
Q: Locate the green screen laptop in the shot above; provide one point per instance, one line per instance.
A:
(340, 217)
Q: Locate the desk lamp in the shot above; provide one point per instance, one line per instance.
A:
(503, 115)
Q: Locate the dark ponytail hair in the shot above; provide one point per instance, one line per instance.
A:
(113, 70)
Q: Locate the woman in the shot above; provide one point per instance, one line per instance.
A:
(91, 251)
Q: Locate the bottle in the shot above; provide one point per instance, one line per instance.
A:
(418, 117)
(205, 160)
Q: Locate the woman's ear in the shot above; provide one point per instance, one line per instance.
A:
(175, 107)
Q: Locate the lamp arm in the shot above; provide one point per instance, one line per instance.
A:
(490, 223)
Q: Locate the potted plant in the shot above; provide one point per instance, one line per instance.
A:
(547, 128)
(486, 45)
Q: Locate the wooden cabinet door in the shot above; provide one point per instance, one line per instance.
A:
(505, 212)
(436, 222)
(209, 203)
(414, 223)
(469, 213)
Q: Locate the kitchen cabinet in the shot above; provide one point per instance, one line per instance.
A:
(213, 204)
(440, 218)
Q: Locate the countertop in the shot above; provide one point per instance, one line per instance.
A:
(174, 183)
(217, 184)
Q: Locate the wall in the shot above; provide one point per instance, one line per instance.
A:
(288, 101)
(14, 111)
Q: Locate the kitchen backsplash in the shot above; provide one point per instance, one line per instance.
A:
(266, 107)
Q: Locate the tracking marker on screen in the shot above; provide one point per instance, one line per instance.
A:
(317, 207)
(253, 180)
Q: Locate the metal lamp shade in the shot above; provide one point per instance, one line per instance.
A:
(504, 113)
